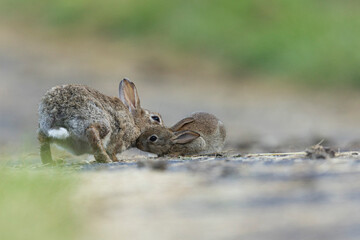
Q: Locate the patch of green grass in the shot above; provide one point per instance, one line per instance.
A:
(37, 205)
(311, 41)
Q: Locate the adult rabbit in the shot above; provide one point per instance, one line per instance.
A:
(83, 120)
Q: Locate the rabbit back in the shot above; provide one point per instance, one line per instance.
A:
(211, 130)
(215, 142)
(65, 112)
(204, 123)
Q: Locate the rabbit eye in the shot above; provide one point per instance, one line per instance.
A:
(153, 138)
(155, 118)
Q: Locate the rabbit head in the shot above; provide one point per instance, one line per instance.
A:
(161, 141)
(129, 96)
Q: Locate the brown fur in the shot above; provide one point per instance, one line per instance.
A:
(90, 117)
(203, 132)
(93, 135)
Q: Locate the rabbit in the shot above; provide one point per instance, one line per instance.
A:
(201, 133)
(85, 121)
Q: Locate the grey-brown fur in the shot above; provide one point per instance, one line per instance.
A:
(96, 124)
(201, 133)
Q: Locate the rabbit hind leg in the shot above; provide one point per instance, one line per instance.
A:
(45, 151)
(93, 136)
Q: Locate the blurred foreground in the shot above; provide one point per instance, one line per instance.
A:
(264, 196)
(37, 205)
(231, 197)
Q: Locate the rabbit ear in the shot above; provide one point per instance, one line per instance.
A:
(186, 136)
(129, 95)
(181, 123)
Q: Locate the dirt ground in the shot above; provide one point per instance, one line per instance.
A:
(231, 197)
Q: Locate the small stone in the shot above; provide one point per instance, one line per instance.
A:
(158, 165)
(153, 164)
(319, 152)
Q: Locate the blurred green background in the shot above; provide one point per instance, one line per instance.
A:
(305, 41)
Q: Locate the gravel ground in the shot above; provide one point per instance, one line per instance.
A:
(233, 197)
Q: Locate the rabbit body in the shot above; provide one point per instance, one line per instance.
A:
(211, 129)
(83, 120)
(201, 133)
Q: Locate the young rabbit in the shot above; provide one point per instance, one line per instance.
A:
(83, 120)
(201, 133)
